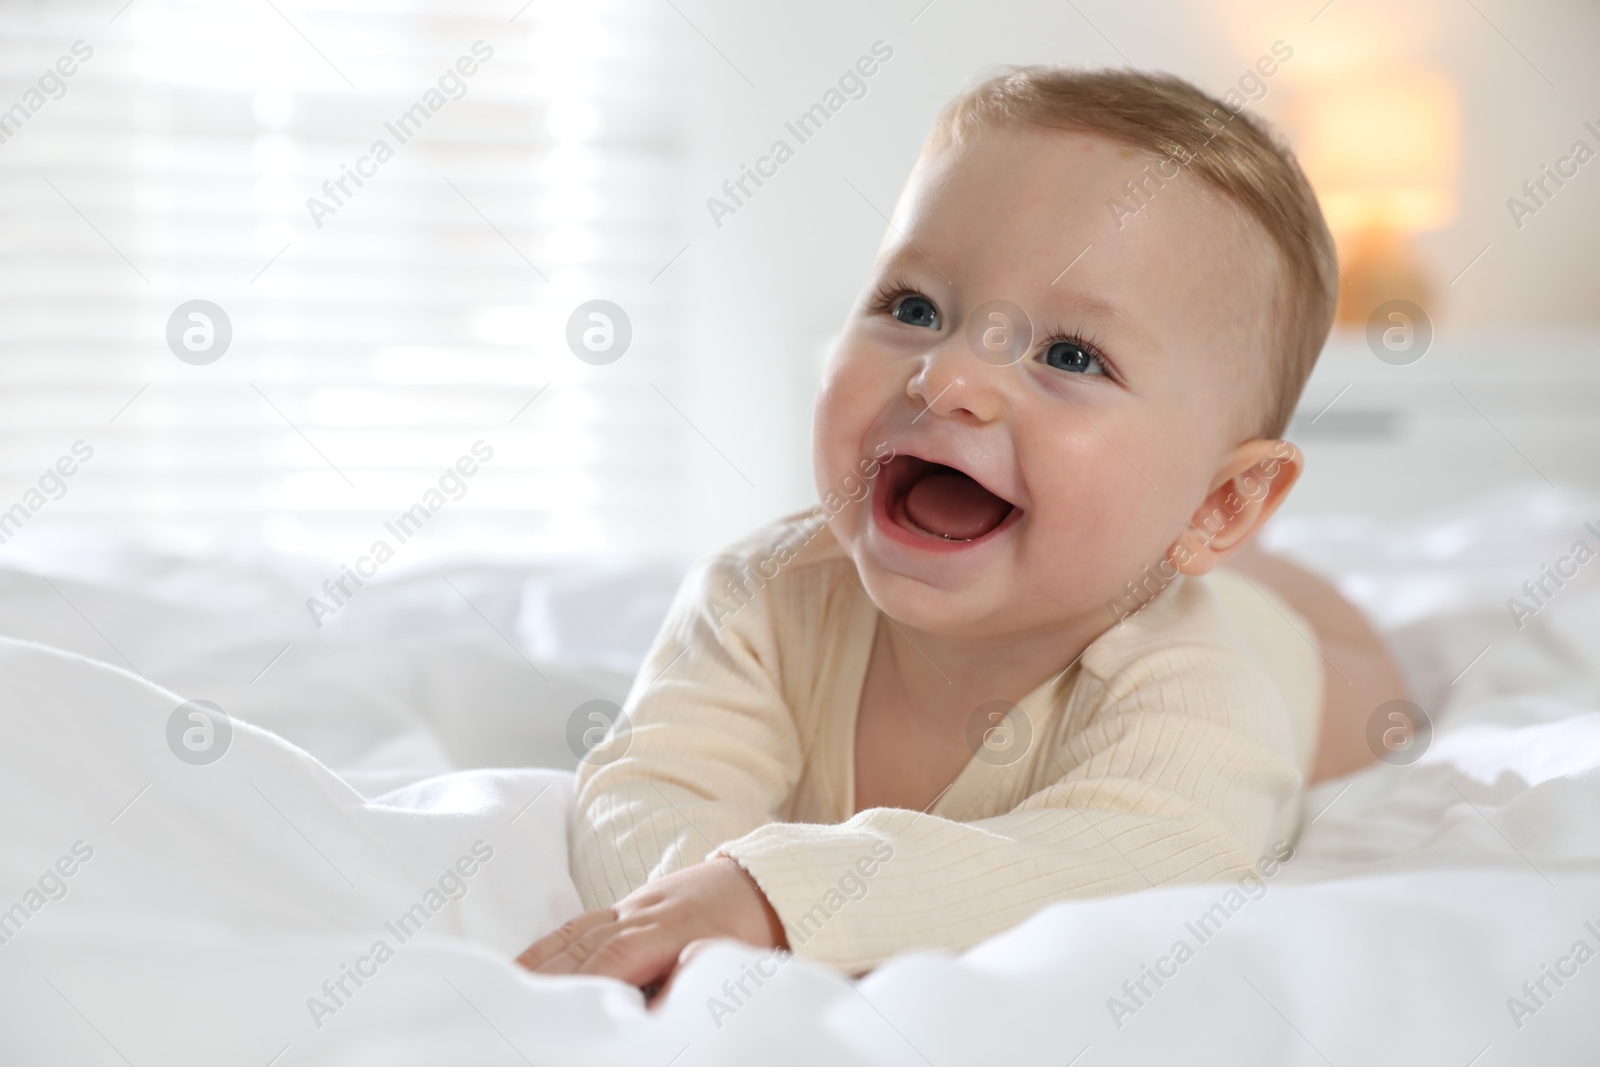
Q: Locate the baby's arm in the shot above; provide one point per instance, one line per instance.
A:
(1182, 775)
(710, 752)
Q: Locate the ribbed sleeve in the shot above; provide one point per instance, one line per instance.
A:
(1152, 797)
(709, 752)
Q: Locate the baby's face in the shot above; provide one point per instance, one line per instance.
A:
(1024, 494)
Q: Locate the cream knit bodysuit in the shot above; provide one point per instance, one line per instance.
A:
(1174, 750)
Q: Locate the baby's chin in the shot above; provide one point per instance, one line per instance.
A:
(981, 609)
(999, 599)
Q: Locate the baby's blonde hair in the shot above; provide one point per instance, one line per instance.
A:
(1228, 149)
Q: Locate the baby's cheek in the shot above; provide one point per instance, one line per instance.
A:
(851, 399)
(831, 431)
(837, 430)
(1097, 523)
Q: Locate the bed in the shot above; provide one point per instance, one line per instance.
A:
(401, 777)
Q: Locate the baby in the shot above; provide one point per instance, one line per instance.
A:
(987, 674)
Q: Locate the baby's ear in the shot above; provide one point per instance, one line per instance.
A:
(1246, 490)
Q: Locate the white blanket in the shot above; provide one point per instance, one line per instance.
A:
(214, 912)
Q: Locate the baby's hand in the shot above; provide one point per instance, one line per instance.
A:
(642, 939)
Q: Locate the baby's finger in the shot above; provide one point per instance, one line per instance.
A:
(553, 944)
(571, 959)
(639, 955)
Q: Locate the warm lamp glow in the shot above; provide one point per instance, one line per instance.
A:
(1381, 150)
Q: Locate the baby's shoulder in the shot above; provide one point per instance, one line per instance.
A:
(791, 544)
(1211, 648)
(789, 571)
(1186, 630)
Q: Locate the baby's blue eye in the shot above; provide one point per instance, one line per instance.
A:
(1073, 358)
(914, 310)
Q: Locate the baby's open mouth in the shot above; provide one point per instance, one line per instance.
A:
(934, 500)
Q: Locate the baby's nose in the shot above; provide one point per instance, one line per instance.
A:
(953, 383)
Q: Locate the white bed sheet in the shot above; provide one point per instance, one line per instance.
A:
(220, 897)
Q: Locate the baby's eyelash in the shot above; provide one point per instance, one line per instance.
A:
(1086, 342)
(892, 289)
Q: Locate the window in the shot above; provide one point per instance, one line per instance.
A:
(389, 306)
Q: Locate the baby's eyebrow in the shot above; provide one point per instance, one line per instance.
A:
(909, 262)
(1094, 305)
(1098, 307)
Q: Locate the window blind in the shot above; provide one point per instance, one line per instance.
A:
(393, 315)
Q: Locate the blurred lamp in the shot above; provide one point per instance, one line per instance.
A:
(1381, 150)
